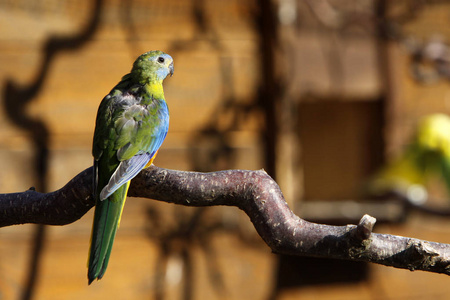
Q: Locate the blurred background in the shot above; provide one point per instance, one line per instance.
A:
(322, 94)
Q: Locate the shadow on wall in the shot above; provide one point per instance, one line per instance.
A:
(17, 98)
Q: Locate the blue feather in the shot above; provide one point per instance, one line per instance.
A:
(126, 171)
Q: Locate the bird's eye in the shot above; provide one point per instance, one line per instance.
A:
(160, 59)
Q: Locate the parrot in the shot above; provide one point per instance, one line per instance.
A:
(426, 156)
(132, 123)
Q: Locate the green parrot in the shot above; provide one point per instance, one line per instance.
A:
(132, 122)
(427, 156)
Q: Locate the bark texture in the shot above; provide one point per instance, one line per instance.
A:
(257, 194)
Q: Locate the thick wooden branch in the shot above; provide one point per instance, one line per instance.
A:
(254, 192)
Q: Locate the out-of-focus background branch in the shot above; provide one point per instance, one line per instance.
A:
(322, 94)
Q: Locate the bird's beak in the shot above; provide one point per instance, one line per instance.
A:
(171, 69)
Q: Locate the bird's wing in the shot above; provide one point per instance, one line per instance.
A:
(127, 136)
(140, 132)
(126, 171)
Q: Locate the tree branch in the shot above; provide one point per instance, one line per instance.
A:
(258, 195)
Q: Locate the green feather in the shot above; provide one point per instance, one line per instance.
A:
(106, 221)
(132, 120)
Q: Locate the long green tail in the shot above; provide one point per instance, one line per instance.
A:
(106, 221)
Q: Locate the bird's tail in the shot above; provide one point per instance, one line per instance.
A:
(106, 221)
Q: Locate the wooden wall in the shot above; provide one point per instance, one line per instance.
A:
(58, 59)
(350, 102)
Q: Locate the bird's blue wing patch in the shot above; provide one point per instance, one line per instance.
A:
(129, 168)
(126, 171)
